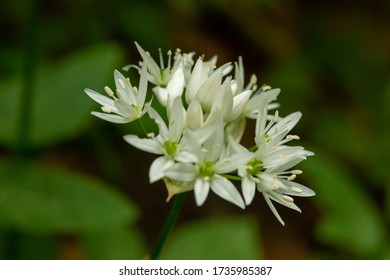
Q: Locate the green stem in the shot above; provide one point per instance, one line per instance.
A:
(142, 127)
(169, 224)
(25, 109)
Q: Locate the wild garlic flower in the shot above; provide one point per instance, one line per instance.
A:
(268, 167)
(127, 104)
(206, 171)
(204, 115)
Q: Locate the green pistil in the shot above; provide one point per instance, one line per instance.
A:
(170, 148)
(135, 108)
(254, 166)
(206, 170)
(266, 137)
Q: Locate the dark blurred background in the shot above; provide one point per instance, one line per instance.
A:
(71, 188)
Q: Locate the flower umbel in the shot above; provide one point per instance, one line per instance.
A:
(201, 119)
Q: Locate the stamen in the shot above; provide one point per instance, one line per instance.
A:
(122, 84)
(276, 117)
(161, 59)
(265, 87)
(128, 82)
(108, 91)
(135, 90)
(295, 189)
(253, 79)
(297, 172)
(150, 135)
(283, 156)
(106, 109)
(292, 137)
(292, 177)
(275, 148)
(206, 178)
(288, 199)
(216, 146)
(118, 92)
(169, 59)
(256, 180)
(204, 150)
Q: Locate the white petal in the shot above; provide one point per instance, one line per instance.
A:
(201, 191)
(208, 90)
(239, 103)
(159, 165)
(182, 172)
(152, 66)
(147, 145)
(185, 156)
(225, 189)
(297, 189)
(273, 209)
(248, 189)
(198, 76)
(101, 99)
(162, 95)
(127, 91)
(194, 115)
(224, 99)
(143, 86)
(159, 121)
(176, 84)
(176, 120)
(110, 117)
(126, 110)
(231, 163)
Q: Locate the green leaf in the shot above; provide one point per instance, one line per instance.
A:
(45, 200)
(228, 238)
(351, 219)
(60, 109)
(116, 244)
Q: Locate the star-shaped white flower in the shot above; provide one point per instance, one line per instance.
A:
(127, 104)
(207, 169)
(268, 167)
(166, 143)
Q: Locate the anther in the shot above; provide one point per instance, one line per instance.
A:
(108, 91)
(150, 135)
(106, 109)
(135, 89)
(292, 137)
(122, 84)
(265, 87)
(288, 199)
(296, 190)
(292, 177)
(128, 81)
(204, 150)
(206, 178)
(253, 79)
(296, 171)
(276, 117)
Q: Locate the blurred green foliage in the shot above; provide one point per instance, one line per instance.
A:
(330, 59)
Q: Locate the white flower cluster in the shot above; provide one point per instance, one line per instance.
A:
(198, 144)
